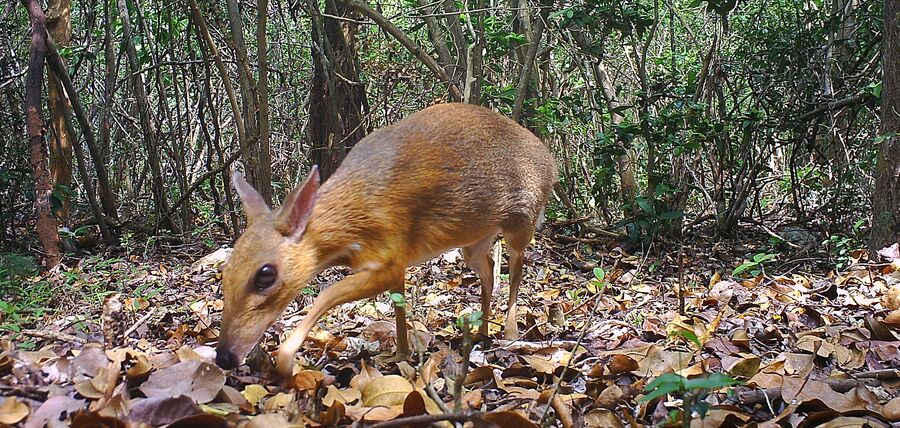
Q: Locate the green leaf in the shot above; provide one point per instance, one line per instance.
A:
(663, 385)
(398, 299)
(691, 337)
(712, 381)
(761, 258)
(671, 215)
(746, 265)
(645, 204)
(599, 273)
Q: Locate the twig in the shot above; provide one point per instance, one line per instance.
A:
(62, 337)
(429, 419)
(759, 396)
(139, 322)
(584, 333)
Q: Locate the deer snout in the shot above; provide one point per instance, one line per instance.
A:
(225, 358)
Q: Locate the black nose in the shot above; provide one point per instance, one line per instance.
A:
(225, 359)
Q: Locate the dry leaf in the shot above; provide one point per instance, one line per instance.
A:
(254, 393)
(388, 390)
(602, 418)
(891, 410)
(206, 380)
(52, 409)
(508, 419)
(12, 411)
(162, 410)
(344, 396)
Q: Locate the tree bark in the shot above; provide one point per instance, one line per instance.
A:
(264, 164)
(886, 196)
(57, 65)
(338, 107)
(525, 75)
(408, 43)
(59, 27)
(34, 77)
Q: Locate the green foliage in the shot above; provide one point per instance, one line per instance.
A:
(399, 300)
(754, 266)
(21, 300)
(470, 321)
(691, 391)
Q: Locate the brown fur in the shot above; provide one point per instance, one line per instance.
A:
(449, 176)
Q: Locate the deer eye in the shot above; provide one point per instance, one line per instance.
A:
(265, 277)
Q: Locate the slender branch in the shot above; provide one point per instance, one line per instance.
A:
(429, 419)
(407, 42)
(525, 75)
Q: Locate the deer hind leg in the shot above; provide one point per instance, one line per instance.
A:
(517, 239)
(478, 258)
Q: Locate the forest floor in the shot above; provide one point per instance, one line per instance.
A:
(805, 339)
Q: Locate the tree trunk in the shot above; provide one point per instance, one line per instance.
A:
(537, 32)
(886, 197)
(59, 27)
(264, 157)
(338, 107)
(46, 223)
(151, 142)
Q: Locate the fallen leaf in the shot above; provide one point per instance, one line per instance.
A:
(271, 420)
(206, 380)
(891, 410)
(308, 380)
(95, 419)
(388, 390)
(621, 363)
(162, 410)
(278, 401)
(610, 397)
(366, 375)
(52, 409)
(508, 419)
(12, 411)
(254, 393)
(344, 396)
(602, 418)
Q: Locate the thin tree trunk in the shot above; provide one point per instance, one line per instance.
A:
(148, 128)
(338, 107)
(525, 75)
(81, 163)
(56, 64)
(264, 165)
(34, 77)
(886, 196)
(107, 194)
(407, 42)
(249, 99)
(59, 28)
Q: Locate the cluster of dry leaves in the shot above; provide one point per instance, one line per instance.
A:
(811, 350)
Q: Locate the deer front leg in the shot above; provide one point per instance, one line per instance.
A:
(361, 285)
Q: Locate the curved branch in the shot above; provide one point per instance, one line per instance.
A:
(407, 42)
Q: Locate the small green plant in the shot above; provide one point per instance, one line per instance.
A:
(755, 266)
(467, 322)
(399, 300)
(840, 247)
(691, 391)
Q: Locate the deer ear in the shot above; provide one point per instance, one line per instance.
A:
(298, 206)
(254, 205)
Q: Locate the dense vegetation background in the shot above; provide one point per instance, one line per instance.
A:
(665, 115)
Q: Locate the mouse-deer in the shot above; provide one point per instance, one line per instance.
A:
(449, 176)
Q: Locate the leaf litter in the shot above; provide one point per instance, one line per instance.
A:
(805, 349)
